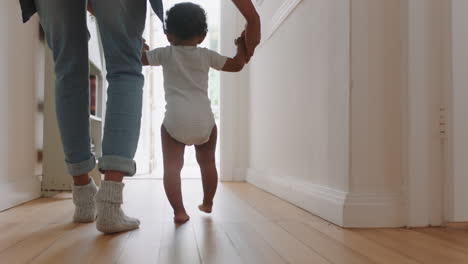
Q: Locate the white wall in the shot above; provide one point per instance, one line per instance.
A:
(376, 101)
(342, 109)
(296, 86)
(233, 110)
(325, 115)
(377, 69)
(289, 97)
(56, 177)
(298, 102)
(20, 70)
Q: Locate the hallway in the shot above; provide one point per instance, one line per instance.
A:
(247, 226)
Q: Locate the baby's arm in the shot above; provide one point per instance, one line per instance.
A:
(155, 57)
(237, 63)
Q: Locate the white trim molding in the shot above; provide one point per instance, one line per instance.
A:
(367, 210)
(280, 16)
(258, 2)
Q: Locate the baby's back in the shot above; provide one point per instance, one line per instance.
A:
(189, 118)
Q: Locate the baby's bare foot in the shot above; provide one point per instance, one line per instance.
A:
(181, 217)
(207, 208)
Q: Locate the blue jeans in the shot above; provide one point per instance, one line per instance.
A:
(121, 24)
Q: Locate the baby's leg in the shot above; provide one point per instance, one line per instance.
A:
(207, 162)
(173, 156)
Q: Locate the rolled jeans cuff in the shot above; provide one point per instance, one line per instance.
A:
(117, 163)
(76, 169)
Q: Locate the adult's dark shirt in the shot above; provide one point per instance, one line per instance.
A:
(28, 9)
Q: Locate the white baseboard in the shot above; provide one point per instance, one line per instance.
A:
(341, 208)
(374, 210)
(22, 190)
(239, 175)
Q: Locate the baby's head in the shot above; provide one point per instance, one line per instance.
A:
(186, 24)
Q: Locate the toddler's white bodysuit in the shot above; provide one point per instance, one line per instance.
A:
(188, 118)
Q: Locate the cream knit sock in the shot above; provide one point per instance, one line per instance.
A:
(111, 218)
(85, 206)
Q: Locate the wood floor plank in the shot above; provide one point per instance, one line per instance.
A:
(178, 242)
(214, 244)
(236, 219)
(178, 245)
(47, 221)
(270, 206)
(287, 246)
(252, 247)
(325, 246)
(23, 211)
(83, 244)
(26, 250)
(57, 211)
(144, 202)
(277, 240)
(417, 246)
(457, 237)
(247, 226)
(350, 238)
(229, 208)
(27, 212)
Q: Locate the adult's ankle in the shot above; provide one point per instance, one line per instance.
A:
(81, 180)
(115, 176)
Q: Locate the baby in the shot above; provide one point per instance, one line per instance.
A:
(189, 119)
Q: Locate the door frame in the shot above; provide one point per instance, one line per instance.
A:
(456, 182)
(229, 98)
(427, 52)
(437, 131)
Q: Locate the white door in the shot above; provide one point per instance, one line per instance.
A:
(20, 79)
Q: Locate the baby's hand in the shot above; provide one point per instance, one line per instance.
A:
(145, 46)
(144, 49)
(236, 63)
(240, 43)
(241, 47)
(240, 40)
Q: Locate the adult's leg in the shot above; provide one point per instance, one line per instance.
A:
(207, 161)
(64, 24)
(121, 24)
(173, 159)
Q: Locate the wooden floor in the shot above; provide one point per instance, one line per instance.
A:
(247, 226)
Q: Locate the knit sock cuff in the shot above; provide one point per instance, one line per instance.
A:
(110, 192)
(84, 194)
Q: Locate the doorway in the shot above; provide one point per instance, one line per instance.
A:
(149, 153)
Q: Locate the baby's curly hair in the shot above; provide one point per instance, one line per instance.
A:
(186, 21)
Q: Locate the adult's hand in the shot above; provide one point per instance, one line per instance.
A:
(252, 29)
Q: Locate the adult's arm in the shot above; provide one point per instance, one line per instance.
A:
(252, 29)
